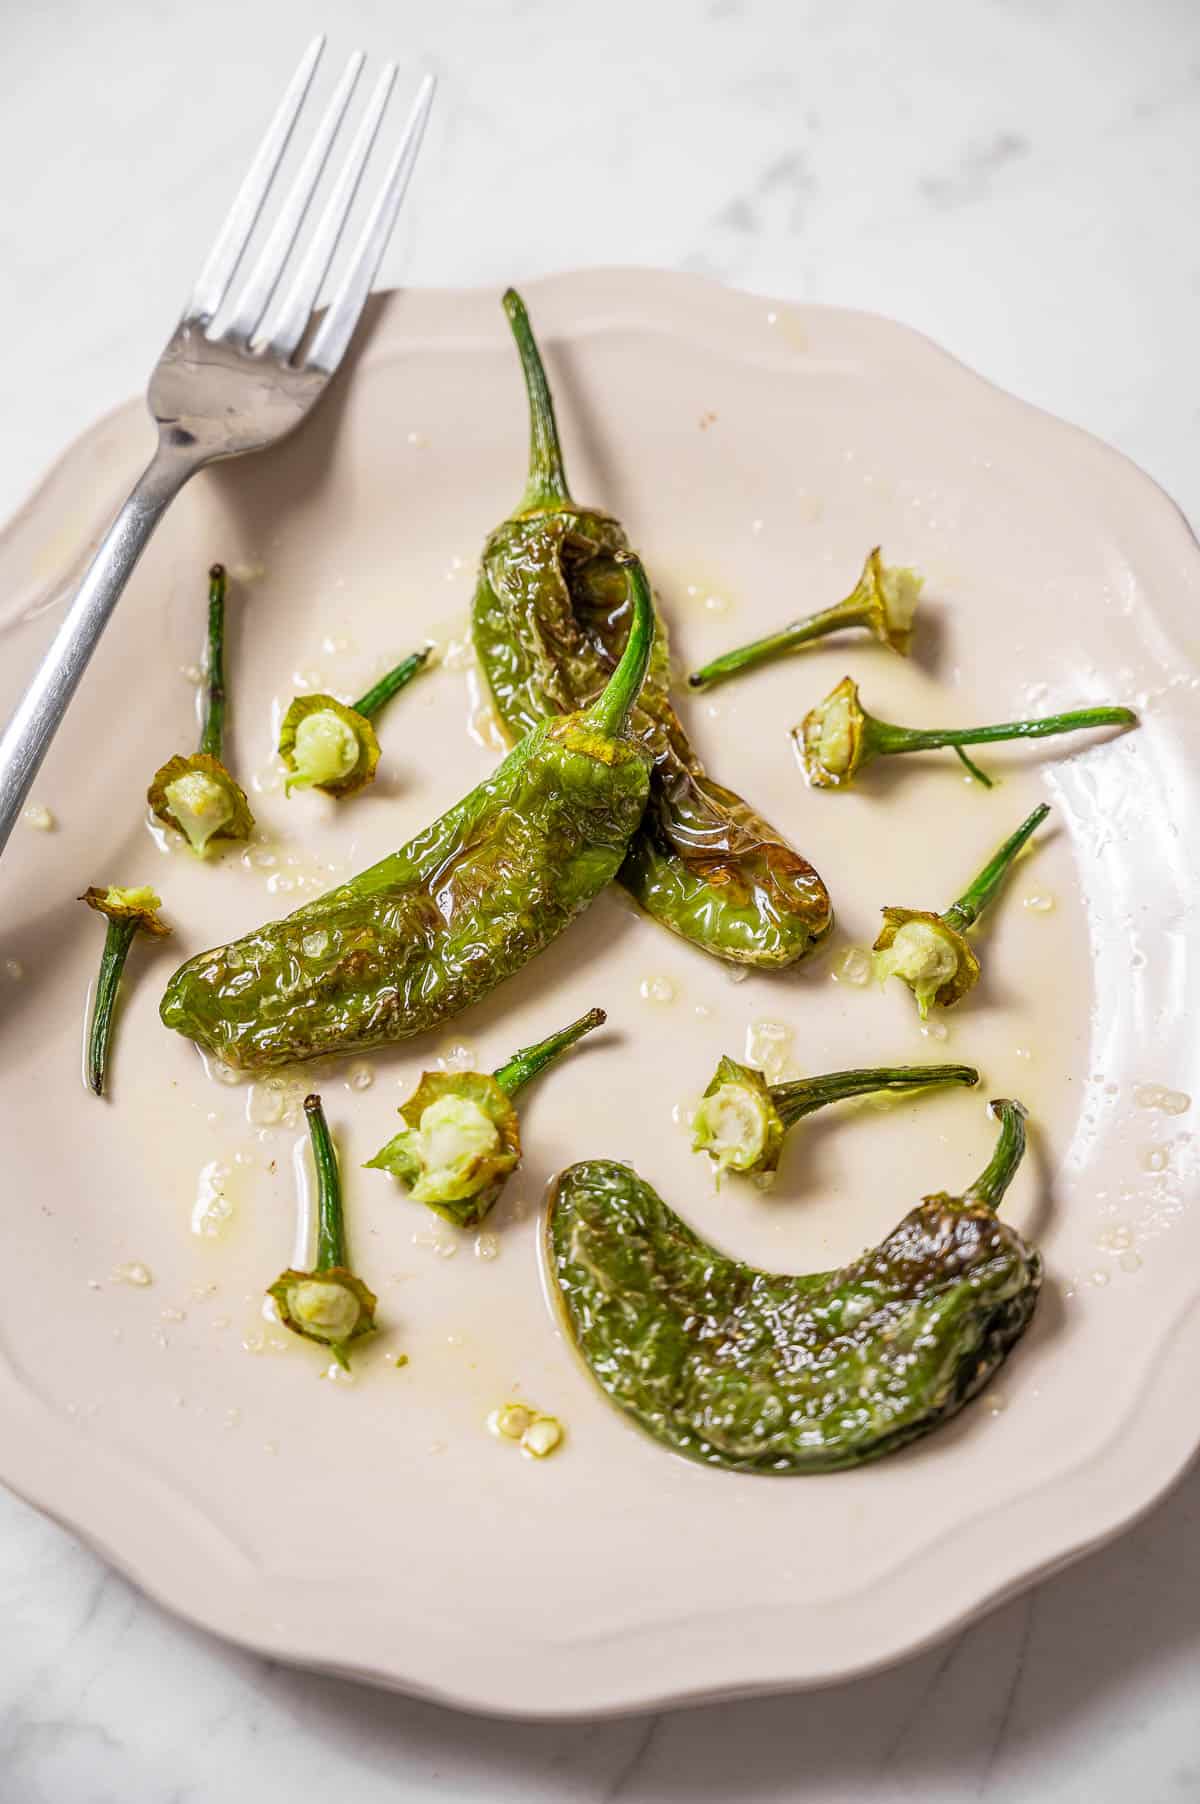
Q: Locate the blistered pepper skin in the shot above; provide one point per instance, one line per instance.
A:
(754, 1371)
(431, 928)
(438, 924)
(550, 618)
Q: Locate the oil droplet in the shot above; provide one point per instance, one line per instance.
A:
(457, 1055)
(756, 526)
(656, 989)
(717, 604)
(852, 966)
(1115, 1240)
(360, 1076)
(702, 1011)
(1154, 1158)
(418, 440)
(232, 1417)
(809, 508)
(997, 1402)
(133, 1273)
(172, 1315)
(1130, 1261)
(1155, 1096)
(684, 1113)
(1099, 1279)
(1023, 1052)
(935, 1030)
(267, 1102)
(486, 1246)
(1039, 902)
(337, 1374)
(278, 884)
(315, 945)
(769, 1047)
(737, 974)
(212, 1210)
(248, 572)
(14, 969)
(37, 817)
(191, 673)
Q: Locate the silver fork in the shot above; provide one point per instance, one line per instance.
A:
(222, 391)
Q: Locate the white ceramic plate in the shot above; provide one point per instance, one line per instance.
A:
(755, 452)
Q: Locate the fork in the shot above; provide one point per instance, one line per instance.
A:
(225, 387)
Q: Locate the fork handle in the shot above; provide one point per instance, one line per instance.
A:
(27, 737)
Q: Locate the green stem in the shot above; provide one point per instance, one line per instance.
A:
(331, 1227)
(547, 484)
(888, 738)
(979, 892)
(795, 1100)
(610, 711)
(381, 692)
(213, 736)
(969, 764)
(117, 940)
(526, 1064)
(777, 645)
(1001, 1168)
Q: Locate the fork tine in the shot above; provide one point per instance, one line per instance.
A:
(226, 253)
(260, 285)
(288, 323)
(336, 328)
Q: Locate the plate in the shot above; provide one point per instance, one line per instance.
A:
(755, 451)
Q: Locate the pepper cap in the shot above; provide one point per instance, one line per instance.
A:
(460, 1141)
(137, 905)
(927, 954)
(832, 738)
(737, 1123)
(198, 797)
(327, 745)
(332, 1307)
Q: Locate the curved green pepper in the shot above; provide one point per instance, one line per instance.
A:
(549, 619)
(438, 924)
(759, 1372)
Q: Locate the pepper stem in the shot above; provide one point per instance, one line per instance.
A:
(996, 1176)
(611, 709)
(331, 1227)
(382, 692)
(795, 1100)
(888, 738)
(118, 938)
(979, 892)
(526, 1064)
(213, 735)
(850, 612)
(547, 484)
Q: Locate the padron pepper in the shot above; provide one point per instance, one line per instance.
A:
(435, 926)
(328, 1304)
(755, 1371)
(838, 736)
(197, 795)
(461, 1140)
(549, 619)
(929, 952)
(332, 746)
(127, 912)
(884, 601)
(741, 1120)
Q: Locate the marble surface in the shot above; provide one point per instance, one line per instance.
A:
(1014, 177)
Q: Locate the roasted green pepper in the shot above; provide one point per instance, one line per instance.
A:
(741, 1120)
(438, 924)
(128, 912)
(330, 745)
(328, 1304)
(197, 795)
(759, 1372)
(929, 952)
(461, 1140)
(549, 619)
(884, 601)
(838, 736)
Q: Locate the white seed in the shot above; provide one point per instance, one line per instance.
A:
(486, 1246)
(657, 989)
(37, 817)
(510, 1421)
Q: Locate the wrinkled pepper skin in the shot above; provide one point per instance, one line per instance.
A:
(755, 1371)
(550, 618)
(438, 924)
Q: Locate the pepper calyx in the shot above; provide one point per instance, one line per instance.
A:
(832, 738)
(137, 905)
(460, 1140)
(327, 745)
(199, 798)
(737, 1123)
(331, 1306)
(931, 957)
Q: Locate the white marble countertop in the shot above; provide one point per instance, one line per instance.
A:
(1014, 177)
